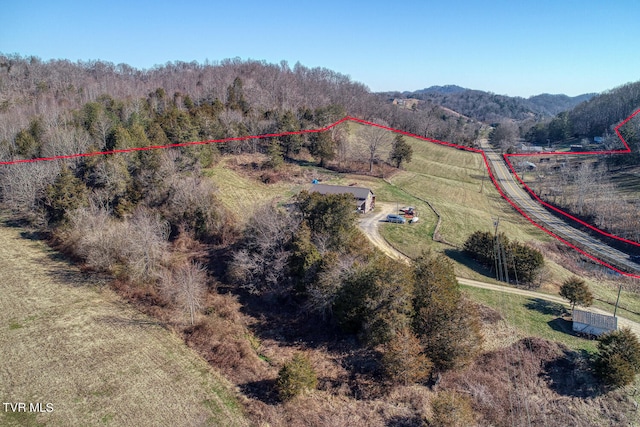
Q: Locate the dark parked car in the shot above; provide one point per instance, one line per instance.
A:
(396, 218)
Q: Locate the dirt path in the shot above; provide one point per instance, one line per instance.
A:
(369, 225)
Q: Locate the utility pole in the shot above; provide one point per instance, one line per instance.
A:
(500, 252)
(617, 300)
(505, 267)
(496, 250)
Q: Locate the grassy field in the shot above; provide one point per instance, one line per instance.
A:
(452, 181)
(531, 317)
(69, 341)
(242, 194)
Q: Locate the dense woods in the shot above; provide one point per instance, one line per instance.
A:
(224, 99)
(595, 117)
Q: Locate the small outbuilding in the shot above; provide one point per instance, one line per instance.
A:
(364, 197)
(585, 322)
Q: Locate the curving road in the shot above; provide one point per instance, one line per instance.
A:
(369, 224)
(539, 214)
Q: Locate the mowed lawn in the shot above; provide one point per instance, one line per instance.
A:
(72, 343)
(528, 317)
(452, 180)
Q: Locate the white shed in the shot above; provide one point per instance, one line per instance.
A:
(585, 322)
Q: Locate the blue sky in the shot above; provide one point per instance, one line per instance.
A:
(511, 47)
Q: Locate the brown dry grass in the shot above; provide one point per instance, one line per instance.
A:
(67, 340)
(539, 383)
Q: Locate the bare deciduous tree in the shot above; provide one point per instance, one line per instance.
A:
(261, 265)
(22, 185)
(322, 293)
(145, 247)
(65, 140)
(376, 140)
(186, 287)
(136, 248)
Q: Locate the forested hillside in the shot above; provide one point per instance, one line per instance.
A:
(490, 108)
(250, 92)
(595, 117)
(598, 115)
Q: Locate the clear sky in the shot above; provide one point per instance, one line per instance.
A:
(512, 47)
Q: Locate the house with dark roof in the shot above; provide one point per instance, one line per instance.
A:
(364, 197)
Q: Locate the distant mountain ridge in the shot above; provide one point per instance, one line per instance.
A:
(555, 104)
(490, 107)
(440, 89)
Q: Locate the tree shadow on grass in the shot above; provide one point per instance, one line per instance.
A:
(65, 270)
(405, 421)
(302, 162)
(461, 257)
(545, 307)
(125, 321)
(35, 235)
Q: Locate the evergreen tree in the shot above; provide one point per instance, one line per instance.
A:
(296, 377)
(401, 151)
(64, 195)
(403, 360)
(235, 97)
(274, 154)
(305, 258)
(323, 146)
(446, 325)
(577, 292)
(375, 300)
(29, 141)
(291, 144)
(331, 216)
(524, 262)
(618, 359)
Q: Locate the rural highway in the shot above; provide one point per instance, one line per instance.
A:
(539, 214)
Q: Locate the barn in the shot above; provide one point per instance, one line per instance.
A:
(364, 197)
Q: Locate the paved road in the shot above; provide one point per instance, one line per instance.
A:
(369, 224)
(539, 214)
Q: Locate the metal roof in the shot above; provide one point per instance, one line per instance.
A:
(601, 321)
(359, 193)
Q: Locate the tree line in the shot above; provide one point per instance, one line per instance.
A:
(250, 90)
(314, 252)
(515, 260)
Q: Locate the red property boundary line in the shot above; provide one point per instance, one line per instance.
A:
(435, 141)
(626, 150)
